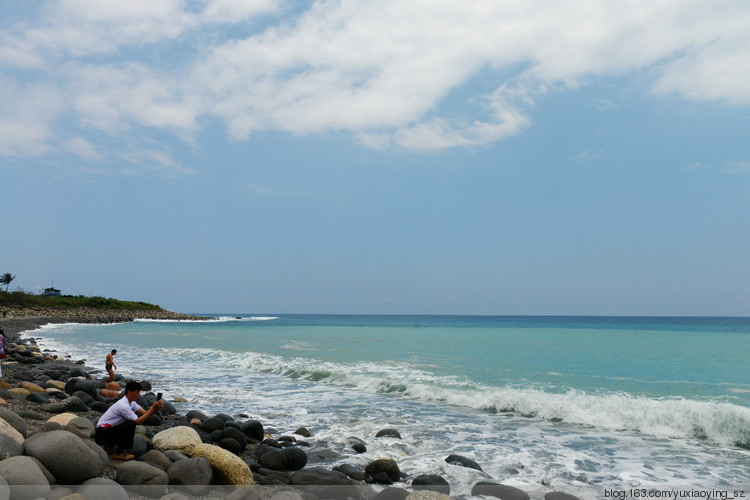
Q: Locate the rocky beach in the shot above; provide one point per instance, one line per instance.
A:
(50, 405)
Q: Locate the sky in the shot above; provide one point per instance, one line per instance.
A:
(392, 157)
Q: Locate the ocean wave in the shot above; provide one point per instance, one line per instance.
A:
(667, 417)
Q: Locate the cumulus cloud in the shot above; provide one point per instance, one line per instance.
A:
(382, 71)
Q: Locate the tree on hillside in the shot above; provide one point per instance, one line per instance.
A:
(5, 279)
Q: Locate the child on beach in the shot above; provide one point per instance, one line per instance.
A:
(109, 363)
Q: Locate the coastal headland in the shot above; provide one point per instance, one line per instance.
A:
(49, 406)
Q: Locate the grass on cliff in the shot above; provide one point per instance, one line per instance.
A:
(28, 300)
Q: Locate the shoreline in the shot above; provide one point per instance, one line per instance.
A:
(263, 455)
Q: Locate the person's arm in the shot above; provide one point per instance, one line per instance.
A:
(144, 414)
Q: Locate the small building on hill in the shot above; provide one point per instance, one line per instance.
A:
(52, 292)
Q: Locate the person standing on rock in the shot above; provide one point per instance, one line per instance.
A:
(109, 363)
(116, 428)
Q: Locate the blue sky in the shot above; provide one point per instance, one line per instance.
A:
(446, 157)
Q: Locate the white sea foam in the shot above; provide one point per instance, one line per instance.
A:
(713, 421)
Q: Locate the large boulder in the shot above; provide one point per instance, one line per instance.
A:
(24, 472)
(143, 478)
(384, 465)
(229, 468)
(182, 439)
(501, 491)
(100, 488)
(65, 455)
(15, 420)
(10, 431)
(193, 475)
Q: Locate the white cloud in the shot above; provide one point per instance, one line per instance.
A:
(380, 70)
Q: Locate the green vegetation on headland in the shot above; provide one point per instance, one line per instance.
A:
(23, 299)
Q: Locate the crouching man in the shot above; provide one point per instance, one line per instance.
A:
(116, 428)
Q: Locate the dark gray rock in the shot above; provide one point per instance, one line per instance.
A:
(253, 429)
(174, 455)
(274, 460)
(359, 447)
(23, 471)
(236, 434)
(502, 491)
(389, 432)
(54, 408)
(194, 475)
(212, 425)
(14, 419)
(100, 488)
(74, 404)
(431, 482)
(224, 417)
(99, 406)
(140, 446)
(231, 445)
(143, 478)
(82, 427)
(351, 471)
(84, 397)
(392, 493)
(296, 458)
(319, 482)
(302, 431)
(33, 415)
(463, 462)
(382, 478)
(156, 457)
(65, 455)
(38, 397)
(9, 447)
(384, 465)
(196, 414)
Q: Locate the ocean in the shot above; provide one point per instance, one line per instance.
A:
(577, 404)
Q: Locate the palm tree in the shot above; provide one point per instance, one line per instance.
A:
(5, 279)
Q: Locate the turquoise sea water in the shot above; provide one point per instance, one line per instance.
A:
(572, 403)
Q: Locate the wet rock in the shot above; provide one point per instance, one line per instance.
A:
(389, 432)
(296, 458)
(431, 482)
(253, 429)
(384, 465)
(274, 460)
(463, 462)
(502, 491)
(351, 471)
